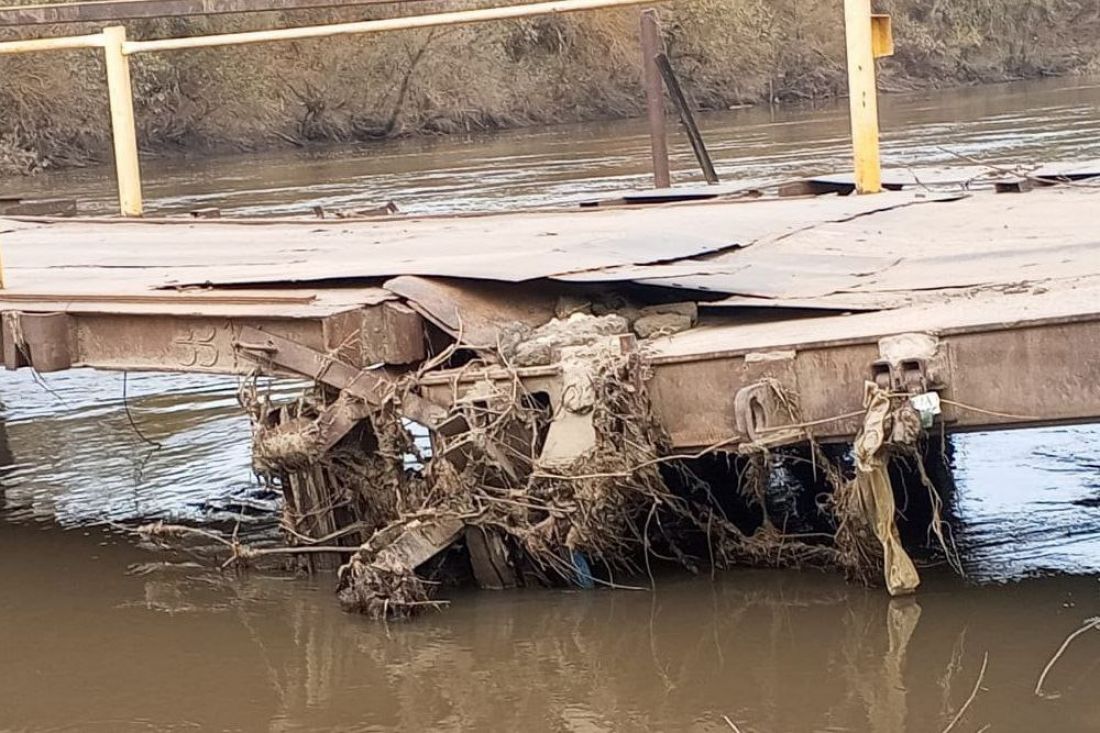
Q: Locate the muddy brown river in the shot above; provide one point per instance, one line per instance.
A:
(98, 633)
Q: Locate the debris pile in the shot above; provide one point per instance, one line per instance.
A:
(570, 487)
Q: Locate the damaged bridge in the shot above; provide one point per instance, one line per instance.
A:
(578, 371)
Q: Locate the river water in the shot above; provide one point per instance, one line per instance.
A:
(98, 633)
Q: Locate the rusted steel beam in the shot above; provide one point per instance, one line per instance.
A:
(104, 11)
(1020, 375)
(175, 343)
(370, 383)
(1016, 374)
(204, 332)
(41, 340)
(1013, 375)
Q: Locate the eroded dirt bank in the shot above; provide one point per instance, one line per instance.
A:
(52, 107)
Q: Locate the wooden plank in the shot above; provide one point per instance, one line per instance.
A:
(489, 559)
(688, 119)
(420, 542)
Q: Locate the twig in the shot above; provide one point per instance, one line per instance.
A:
(973, 694)
(644, 464)
(244, 552)
(1029, 175)
(992, 413)
(160, 529)
(731, 724)
(1089, 624)
(239, 551)
(813, 423)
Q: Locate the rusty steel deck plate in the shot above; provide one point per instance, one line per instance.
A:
(124, 256)
(832, 253)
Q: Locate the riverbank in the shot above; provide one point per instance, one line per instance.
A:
(547, 70)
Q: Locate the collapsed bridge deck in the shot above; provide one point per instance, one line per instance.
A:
(802, 290)
(570, 367)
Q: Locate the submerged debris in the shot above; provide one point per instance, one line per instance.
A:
(574, 486)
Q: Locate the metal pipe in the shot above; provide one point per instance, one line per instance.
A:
(863, 96)
(123, 131)
(52, 44)
(655, 98)
(376, 26)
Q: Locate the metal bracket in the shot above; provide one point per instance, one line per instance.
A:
(882, 35)
(761, 415)
(911, 362)
(37, 340)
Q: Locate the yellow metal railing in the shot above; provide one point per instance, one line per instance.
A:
(868, 36)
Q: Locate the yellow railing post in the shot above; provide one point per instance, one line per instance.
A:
(123, 131)
(863, 96)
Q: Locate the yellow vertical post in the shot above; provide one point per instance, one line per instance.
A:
(863, 95)
(123, 131)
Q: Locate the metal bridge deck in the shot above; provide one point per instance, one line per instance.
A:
(1007, 282)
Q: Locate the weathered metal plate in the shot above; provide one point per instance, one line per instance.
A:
(850, 302)
(475, 311)
(983, 310)
(795, 249)
(509, 247)
(299, 303)
(672, 194)
(754, 271)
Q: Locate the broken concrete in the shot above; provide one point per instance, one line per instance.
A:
(538, 347)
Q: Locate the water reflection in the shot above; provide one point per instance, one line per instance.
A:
(190, 648)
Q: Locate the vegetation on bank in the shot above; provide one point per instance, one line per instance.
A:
(505, 74)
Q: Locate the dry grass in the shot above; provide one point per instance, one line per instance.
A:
(505, 74)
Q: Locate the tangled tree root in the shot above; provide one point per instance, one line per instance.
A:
(383, 589)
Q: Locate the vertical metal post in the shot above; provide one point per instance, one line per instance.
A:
(123, 132)
(655, 98)
(863, 96)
